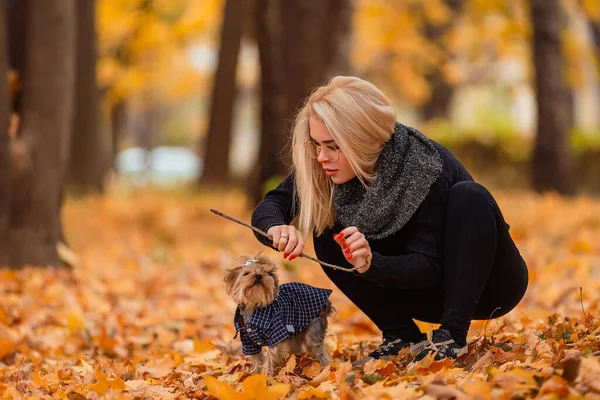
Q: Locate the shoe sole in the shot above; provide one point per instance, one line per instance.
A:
(414, 349)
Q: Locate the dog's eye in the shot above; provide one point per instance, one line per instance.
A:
(246, 273)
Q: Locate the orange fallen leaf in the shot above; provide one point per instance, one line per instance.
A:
(322, 377)
(254, 387)
(312, 393)
(7, 347)
(102, 385)
(203, 346)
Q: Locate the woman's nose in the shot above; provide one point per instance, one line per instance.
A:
(322, 157)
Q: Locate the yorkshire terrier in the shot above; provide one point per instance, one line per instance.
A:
(290, 318)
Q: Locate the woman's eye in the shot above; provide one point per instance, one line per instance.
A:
(333, 148)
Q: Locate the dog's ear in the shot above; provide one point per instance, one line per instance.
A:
(270, 268)
(231, 275)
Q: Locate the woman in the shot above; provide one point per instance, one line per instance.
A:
(428, 242)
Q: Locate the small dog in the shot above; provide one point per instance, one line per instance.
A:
(290, 318)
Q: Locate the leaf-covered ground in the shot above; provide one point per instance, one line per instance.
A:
(144, 313)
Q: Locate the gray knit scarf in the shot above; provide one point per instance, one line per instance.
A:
(406, 168)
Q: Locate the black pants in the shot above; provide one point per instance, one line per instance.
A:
(483, 274)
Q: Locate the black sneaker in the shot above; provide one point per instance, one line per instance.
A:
(443, 346)
(390, 348)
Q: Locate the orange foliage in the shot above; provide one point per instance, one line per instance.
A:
(144, 313)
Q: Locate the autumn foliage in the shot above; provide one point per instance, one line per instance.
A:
(144, 314)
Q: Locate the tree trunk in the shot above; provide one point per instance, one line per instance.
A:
(595, 25)
(303, 50)
(47, 109)
(315, 42)
(218, 139)
(16, 11)
(90, 150)
(441, 91)
(4, 144)
(552, 159)
(272, 138)
(337, 29)
(312, 47)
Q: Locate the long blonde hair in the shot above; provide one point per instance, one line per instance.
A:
(360, 120)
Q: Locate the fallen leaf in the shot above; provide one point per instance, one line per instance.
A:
(441, 392)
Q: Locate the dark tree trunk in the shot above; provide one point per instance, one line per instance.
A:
(90, 152)
(303, 50)
(17, 33)
(47, 109)
(313, 46)
(552, 160)
(5, 168)
(272, 106)
(441, 94)
(337, 29)
(441, 91)
(595, 25)
(218, 139)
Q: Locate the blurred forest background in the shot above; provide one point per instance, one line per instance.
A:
(164, 92)
(124, 121)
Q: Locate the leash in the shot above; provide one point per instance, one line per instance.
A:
(219, 213)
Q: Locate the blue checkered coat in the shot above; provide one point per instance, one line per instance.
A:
(295, 307)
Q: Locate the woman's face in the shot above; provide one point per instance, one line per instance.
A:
(339, 170)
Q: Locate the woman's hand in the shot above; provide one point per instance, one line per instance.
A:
(355, 247)
(288, 239)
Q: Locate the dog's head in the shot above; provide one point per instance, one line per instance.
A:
(253, 283)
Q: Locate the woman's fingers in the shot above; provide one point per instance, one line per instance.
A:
(297, 249)
(292, 243)
(287, 239)
(279, 235)
(355, 246)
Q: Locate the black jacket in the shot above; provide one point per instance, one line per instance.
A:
(410, 258)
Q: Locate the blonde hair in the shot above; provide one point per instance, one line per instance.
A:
(360, 120)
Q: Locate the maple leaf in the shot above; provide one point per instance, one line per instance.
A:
(255, 387)
(102, 385)
(203, 346)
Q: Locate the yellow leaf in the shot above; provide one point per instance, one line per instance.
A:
(75, 322)
(581, 246)
(313, 393)
(592, 9)
(103, 384)
(202, 346)
(7, 346)
(290, 365)
(220, 390)
(322, 377)
(39, 382)
(117, 384)
(255, 387)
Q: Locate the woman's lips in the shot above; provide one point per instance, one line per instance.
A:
(330, 172)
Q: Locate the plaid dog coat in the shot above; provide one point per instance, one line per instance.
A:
(295, 307)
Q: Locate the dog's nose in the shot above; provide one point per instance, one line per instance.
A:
(258, 277)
